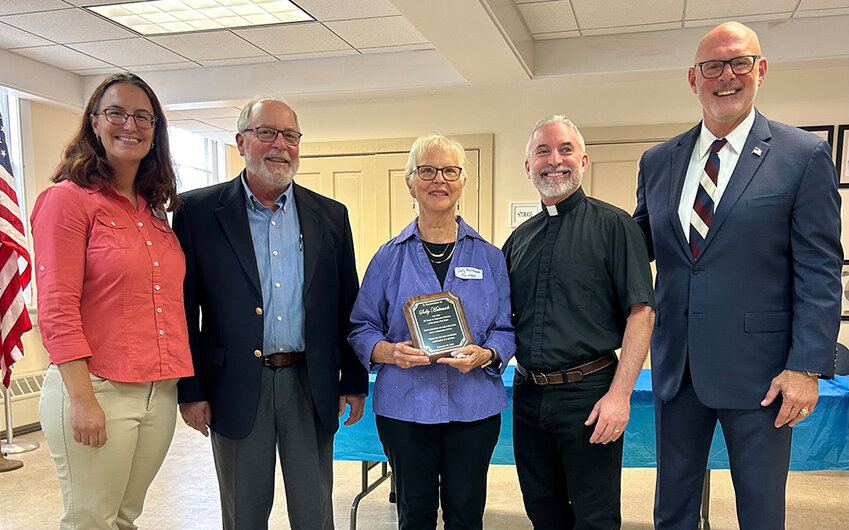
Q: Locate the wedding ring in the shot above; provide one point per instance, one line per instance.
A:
(615, 430)
(409, 364)
(804, 412)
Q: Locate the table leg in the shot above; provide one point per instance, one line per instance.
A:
(704, 520)
(369, 487)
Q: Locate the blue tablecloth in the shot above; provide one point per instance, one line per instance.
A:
(819, 442)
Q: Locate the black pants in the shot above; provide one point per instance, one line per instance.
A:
(443, 462)
(566, 481)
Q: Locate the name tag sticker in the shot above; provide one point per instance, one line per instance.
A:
(468, 273)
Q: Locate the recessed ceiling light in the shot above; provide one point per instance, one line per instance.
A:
(182, 16)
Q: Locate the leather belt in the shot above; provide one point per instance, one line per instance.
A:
(568, 375)
(279, 360)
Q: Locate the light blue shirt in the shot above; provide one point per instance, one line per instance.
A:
(279, 250)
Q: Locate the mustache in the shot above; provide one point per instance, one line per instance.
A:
(552, 169)
(278, 154)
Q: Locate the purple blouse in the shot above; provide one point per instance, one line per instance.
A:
(436, 393)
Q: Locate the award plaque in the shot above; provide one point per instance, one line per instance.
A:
(437, 324)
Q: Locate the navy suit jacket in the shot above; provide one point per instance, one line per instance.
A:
(222, 285)
(764, 294)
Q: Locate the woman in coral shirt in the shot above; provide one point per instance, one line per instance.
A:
(109, 273)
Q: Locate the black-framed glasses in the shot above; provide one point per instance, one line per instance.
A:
(269, 134)
(449, 173)
(144, 120)
(739, 65)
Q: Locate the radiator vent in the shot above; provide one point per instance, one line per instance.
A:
(24, 386)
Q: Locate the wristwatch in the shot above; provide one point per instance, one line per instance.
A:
(813, 374)
(491, 357)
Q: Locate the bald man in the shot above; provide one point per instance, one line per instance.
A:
(742, 216)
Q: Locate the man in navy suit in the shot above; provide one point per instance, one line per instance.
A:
(270, 282)
(743, 218)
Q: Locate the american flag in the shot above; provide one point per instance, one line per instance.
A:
(13, 250)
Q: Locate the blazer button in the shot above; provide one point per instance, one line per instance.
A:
(258, 310)
(257, 353)
(686, 312)
(696, 270)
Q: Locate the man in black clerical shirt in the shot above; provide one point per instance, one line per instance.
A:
(581, 288)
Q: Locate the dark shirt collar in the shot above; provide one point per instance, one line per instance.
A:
(566, 205)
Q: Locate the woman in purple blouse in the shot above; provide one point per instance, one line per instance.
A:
(438, 421)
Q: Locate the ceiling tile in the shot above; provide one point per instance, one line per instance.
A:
(193, 126)
(230, 113)
(294, 38)
(67, 26)
(128, 52)
(182, 65)
(711, 22)
(96, 71)
(101, 2)
(61, 57)
(239, 60)
(8, 7)
(207, 46)
(595, 14)
(632, 29)
(821, 4)
(326, 10)
(15, 38)
(226, 124)
(733, 9)
(317, 55)
(374, 32)
(834, 12)
(557, 35)
(548, 17)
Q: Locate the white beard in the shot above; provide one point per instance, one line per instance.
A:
(275, 177)
(552, 188)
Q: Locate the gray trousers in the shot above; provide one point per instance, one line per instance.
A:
(285, 423)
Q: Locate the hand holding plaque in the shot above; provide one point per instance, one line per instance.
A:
(437, 324)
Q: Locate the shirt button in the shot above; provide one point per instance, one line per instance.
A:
(162, 332)
(141, 224)
(156, 287)
(158, 309)
(149, 243)
(258, 310)
(257, 353)
(277, 284)
(273, 223)
(274, 253)
(156, 264)
(112, 223)
(279, 318)
(41, 268)
(443, 385)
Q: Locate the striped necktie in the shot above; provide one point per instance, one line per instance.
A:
(704, 205)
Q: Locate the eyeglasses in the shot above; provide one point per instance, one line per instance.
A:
(449, 173)
(739, 65)
(143, 120)
(269, 134)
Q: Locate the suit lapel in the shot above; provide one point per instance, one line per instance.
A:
(311, 228)
(754, 151)
(233, 216)
(679, 160)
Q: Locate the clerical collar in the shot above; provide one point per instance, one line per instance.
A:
(566, 205)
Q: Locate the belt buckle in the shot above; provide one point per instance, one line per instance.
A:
(544, 378)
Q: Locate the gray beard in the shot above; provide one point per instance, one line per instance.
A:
(557, 188)
(280, 177)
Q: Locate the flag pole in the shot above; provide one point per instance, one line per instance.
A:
(11, 446)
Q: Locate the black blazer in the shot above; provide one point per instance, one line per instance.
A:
(222, 284)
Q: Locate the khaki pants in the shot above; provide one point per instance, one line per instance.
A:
(105, 487)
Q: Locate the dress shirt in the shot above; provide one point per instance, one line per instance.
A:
(279, 250)
(110, 285)
(436, 393)
(576, 268)
(728, 157)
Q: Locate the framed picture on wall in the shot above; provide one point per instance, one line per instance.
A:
(843, 156)
(844, 291)
(826, 132)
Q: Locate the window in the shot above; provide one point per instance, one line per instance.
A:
(197, 160)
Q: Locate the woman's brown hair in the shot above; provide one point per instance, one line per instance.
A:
(84, 160)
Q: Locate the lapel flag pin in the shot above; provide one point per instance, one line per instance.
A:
(757, 151)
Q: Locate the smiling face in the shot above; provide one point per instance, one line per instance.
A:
(274, 163)
(125, 145)
(437, 196)
(728, 99)
(555, 162)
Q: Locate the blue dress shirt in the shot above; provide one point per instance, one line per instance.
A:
(436, 393)
(279, 249)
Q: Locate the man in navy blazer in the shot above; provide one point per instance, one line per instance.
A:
(270, 282)
(748, 286)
